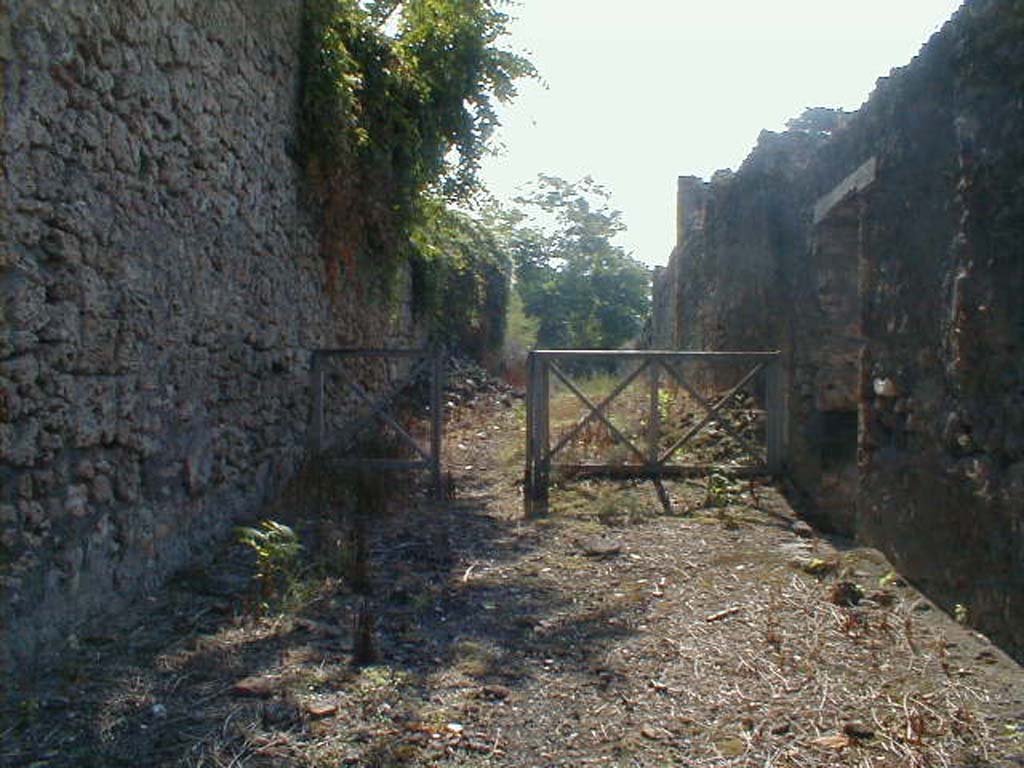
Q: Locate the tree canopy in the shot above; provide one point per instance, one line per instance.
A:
(461, 277)
(398, 107)
(585, 291)
(404, 91)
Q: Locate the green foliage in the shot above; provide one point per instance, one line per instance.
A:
(666, 404)
(717, 490)
(520, 329)
(584, 291)
(818, 566)
(398, 97)
(461, 279)
(277, 549)
(1014, 731)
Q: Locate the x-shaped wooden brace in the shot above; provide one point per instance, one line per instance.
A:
(712, 412)
(379, 406)
(596, 411)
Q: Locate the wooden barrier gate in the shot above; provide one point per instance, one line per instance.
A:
(653, 462)
(380, 410)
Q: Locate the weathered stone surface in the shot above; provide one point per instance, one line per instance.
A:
(896, 302)
(161, 290)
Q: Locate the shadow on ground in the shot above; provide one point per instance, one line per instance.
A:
(197, 677)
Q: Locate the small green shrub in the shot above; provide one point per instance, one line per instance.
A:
(666, 404)
(717, 490)
(278, 554)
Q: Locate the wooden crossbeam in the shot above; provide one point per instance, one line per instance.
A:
(649, 355)
(539, 457)
(596, 411)
(388, 397)
(379, 406)
(724, 424)
(651, 472)
(380, 464)
(712, 411)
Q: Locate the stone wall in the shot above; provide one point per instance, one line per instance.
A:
(884, 259)
(161, 293)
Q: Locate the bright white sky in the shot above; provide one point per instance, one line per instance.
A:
(641, 92)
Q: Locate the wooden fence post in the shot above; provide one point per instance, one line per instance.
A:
(316, 385)
(535, 481)
(436, 421)
(529, 476)
(654, 423)
(775, 401)
(543, 421)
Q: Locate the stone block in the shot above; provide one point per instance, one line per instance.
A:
(128, 482)
(23, 370)
(102, 490)
(98, 348)
(77, 502)
(94, 418)
(19, 443)
(63, 323)
(24, 303)
(32, 513)
(48, 175)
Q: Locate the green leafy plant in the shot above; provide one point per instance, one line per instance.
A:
(398, 98)
(520, 337)
(890, 579)
(457, 254)
(818, 566)
(666, 404)
(717, 490)
(584, 290)
(278, 552)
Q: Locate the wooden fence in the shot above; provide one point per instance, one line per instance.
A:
(380, 410)
(649, 460)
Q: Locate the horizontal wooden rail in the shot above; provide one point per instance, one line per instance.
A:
(648, 472)
(347, 353)
(640, 354)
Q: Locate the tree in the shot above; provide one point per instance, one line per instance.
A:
(585, 291)
(398, 103)
(404, 90)
(461, 279)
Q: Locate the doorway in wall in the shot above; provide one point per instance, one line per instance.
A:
(836, 339)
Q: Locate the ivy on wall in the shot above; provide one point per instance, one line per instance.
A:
(398, 101)
(462, 278)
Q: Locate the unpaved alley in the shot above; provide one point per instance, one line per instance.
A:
(606, 633)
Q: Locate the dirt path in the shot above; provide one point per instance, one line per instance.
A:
(607, 633)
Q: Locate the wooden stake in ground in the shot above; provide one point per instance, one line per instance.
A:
(364, 650)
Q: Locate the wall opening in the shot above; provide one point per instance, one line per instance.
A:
(830, 341)
(838, 439)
